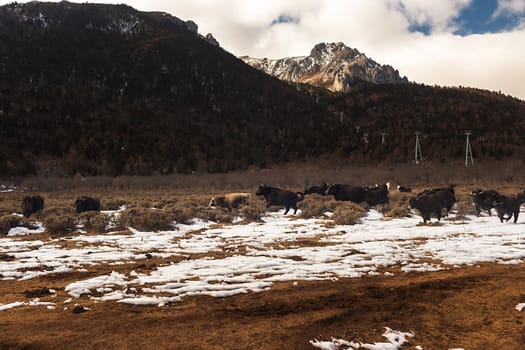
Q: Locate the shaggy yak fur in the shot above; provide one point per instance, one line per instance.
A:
(509, 206)
(32, 204)
(485, 199)
(433, 202)
(371, 195)
(317, 189)
(83, 204)
(277, 196)
(229, 201)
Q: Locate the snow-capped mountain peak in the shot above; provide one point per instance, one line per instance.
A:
(333, 66)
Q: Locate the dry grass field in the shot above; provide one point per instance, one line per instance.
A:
(467, 306)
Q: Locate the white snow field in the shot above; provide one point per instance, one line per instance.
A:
(225, 260)
(282, 248)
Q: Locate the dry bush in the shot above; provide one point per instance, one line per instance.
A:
(93, 221)
(7, 222)
(401, 211)
(348, 213)
(252, 213)
(185, 215)
(113, 203)
(147, 219)
(316, 205)
(464, 205)
(167, 201)
(398, 206)
(219, 215)
(58, 220)
(10, 204)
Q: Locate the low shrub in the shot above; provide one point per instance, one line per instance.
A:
(348, 213)
(58, 220)
(186, 214)
(400, 211)
(252, 213)
(7, 222)
(219, 215)
(147, 219)
(93, 221)
(113, 204)
(59, 224)
(317, 205)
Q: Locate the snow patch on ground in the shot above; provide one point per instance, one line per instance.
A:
(34, 302)
(208, 259)
(396, 339)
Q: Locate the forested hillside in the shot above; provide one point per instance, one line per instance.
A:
(105, 89)
(110, 90)
(442, 115)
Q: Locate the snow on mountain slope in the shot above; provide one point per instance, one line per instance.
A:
(333, 66)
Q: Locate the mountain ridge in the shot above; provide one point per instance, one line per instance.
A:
(161, 99)
(333, 66)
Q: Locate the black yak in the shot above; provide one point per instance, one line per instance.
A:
(277, 196)
(377, 194)
(85, 203)
(32, 204)
(484, 200)
(317, 189)
(447, 193)
(509, 206)
(433, 202)
(357, 194)
(351, 193)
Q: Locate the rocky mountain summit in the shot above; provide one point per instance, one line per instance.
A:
(333, 66)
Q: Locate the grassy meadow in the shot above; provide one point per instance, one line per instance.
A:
(152, 203)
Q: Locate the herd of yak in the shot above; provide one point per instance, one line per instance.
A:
(431, 202)
(33, 204)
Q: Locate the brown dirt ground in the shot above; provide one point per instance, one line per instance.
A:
(469, 307)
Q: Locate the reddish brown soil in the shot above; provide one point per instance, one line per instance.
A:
(471, 308)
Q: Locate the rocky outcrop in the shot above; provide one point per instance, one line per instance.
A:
(332, 66)
(210, 39)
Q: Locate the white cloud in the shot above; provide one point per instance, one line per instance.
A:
(509, 7)
(438, 14)
(378, 28)
(489, 61)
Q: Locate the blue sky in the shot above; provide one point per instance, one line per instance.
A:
(480, 18)
(475, 43)
(477, 17)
